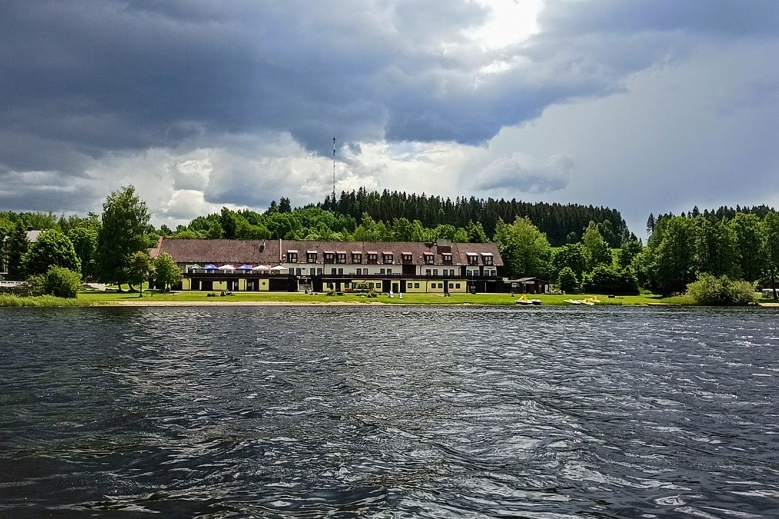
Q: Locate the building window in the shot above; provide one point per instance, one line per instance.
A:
(381, 272)
(340, 271)
(356, 257)
(416, 285)
(457, 285)
(487, 259)
(329, 257)
(292, 256)
(389, 272)
(319, 272)
(333, 271)
(340, 257)
(427, 272)
(311, 257)
(429, 258)
(388, 258)
(473, 258)
(447, 258)
(435, 272)
(372, 256)
(312, 271)
(407, 258)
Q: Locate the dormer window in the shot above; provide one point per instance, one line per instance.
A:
(388, 258)
(473, 258)
(429, 258)
(340, 257)
(356, 257)
(292, 256)
(372, 256)
(329, 256)
(407, 257)
(447, 257)
(486, 258)
(311, 256)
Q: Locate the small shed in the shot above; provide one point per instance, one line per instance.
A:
(527, 285)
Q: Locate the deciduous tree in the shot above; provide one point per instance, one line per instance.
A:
(124, 218)
(525, 249)
(749, 244)
(771, 247)
(138, 269)
(166, 271)
(51, 249)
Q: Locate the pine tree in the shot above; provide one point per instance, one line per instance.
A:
(16, 246)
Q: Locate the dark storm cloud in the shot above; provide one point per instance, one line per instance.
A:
(113, 75)
(85, 81)
(128, 75)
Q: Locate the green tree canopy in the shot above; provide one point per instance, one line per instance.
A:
(15, 248)
(567, 280)
(675, 255)
(138, 269)
(84, 241)
(166, 271)
(630, 249)
(596, 249)
(51, 249)
(571, 256)
(771, 247)
(715, 247)
(525, 249)
(124, 218)
(749, 245)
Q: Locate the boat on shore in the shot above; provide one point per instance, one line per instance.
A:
(525, 301)
(589, 301)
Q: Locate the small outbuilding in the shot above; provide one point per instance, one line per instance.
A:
(528, 285)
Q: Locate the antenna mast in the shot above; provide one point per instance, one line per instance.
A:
(333, 172)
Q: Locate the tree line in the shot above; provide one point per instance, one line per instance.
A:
(562, 223)
(111, 247)
(718, 255)
(393, 216)
(726, 244)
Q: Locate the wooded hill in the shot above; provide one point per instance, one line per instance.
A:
(562, 223)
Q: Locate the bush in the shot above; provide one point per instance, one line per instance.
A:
(36, 285)
(713, 291)
(62, 282)
(609, 280)
(567, 280)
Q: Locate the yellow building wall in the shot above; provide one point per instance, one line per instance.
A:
(410, 287)
(453, 287)
(264, 285)
(435, 287)
(242, 284)
(220, 285)
(186, 284)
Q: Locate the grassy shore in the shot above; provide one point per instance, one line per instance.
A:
(298, 298)
(152, 298)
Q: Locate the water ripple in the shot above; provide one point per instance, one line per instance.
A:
(389, 412)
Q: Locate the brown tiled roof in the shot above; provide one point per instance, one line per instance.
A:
(268, 252)
(252, 252)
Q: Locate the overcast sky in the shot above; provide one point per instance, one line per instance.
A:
(644, 106)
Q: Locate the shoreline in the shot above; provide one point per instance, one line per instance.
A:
(241, 303)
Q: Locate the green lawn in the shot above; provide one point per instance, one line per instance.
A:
(408, 299)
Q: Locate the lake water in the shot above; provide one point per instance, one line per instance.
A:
(389, 412)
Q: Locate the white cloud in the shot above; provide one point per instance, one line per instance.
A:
(525, 174)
